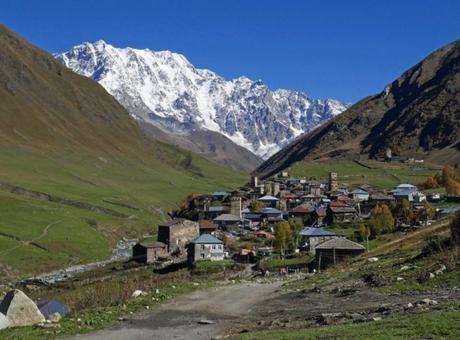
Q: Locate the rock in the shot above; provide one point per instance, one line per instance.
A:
(428, 301)
(404, 268)
(376, 318)
(20, 310)
(138, 293)
(356, 317)
(329, 318)
(432, 275)
(410, 305)
(206, 322)
(440, 270)
(4, 322)
(399, 278)
(372, 259)
(55, 317)
(196, 284)
(157, 291)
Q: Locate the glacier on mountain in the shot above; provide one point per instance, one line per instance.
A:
(163, 88)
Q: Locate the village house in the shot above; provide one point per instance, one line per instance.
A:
(207, 226)
(177, 233)
(340, 212)
(269, 201)
(303, 213)
(319, 216)
(149, 252)
(213, 212)
(205, 247)
(271, 215)
(382, 198)
(311, 237)
(228, 221)
(336, 250)
(220, 195)
(359, 195)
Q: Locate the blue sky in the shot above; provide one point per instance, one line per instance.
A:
(339, 49)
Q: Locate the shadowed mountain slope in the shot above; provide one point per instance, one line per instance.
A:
(418, 115)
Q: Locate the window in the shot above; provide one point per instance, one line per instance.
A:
(202, 247)
(214, 247)
(202, 255)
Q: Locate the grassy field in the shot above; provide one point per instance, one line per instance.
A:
(375, 173)
(423, 325)
(111, 198)
(97, 305)
(402, 267)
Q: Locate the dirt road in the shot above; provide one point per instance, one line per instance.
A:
(179, 319)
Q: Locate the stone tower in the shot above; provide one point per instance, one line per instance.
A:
(268, 188)
(235, 206)
(333, 184)
(254, 181)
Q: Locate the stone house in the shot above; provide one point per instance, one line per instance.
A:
(144, 252)
(177, 233)
(205, 247)
(303, 213)
(340, 212)
(207, 226)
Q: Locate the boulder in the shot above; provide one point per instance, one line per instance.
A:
(138, 293)
(20, 310)
(4, 322)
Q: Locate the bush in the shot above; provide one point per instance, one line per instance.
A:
(373, 278)
(433, 245)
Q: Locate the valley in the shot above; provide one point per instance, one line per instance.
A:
(145, 196)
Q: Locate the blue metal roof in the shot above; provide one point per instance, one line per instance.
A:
(206, 239)
(271, 211)
(315, 232)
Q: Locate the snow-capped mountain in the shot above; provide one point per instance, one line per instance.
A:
(165, 89)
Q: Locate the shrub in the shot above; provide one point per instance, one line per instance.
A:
(373, 278)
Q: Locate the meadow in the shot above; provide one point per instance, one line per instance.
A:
(371, 172)
(90, 203)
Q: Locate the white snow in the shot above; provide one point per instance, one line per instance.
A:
(164, 88)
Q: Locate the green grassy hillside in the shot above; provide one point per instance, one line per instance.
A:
(380, 174)
(94, 203)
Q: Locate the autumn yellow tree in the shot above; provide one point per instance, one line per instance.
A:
(283, 237)
(450, 181)
(365, 233)
(404, 211)
(296, 227)
(427, 212)
(381, 221)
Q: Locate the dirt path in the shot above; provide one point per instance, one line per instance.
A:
(179, 319)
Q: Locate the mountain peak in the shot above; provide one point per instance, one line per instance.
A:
(164, 89)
